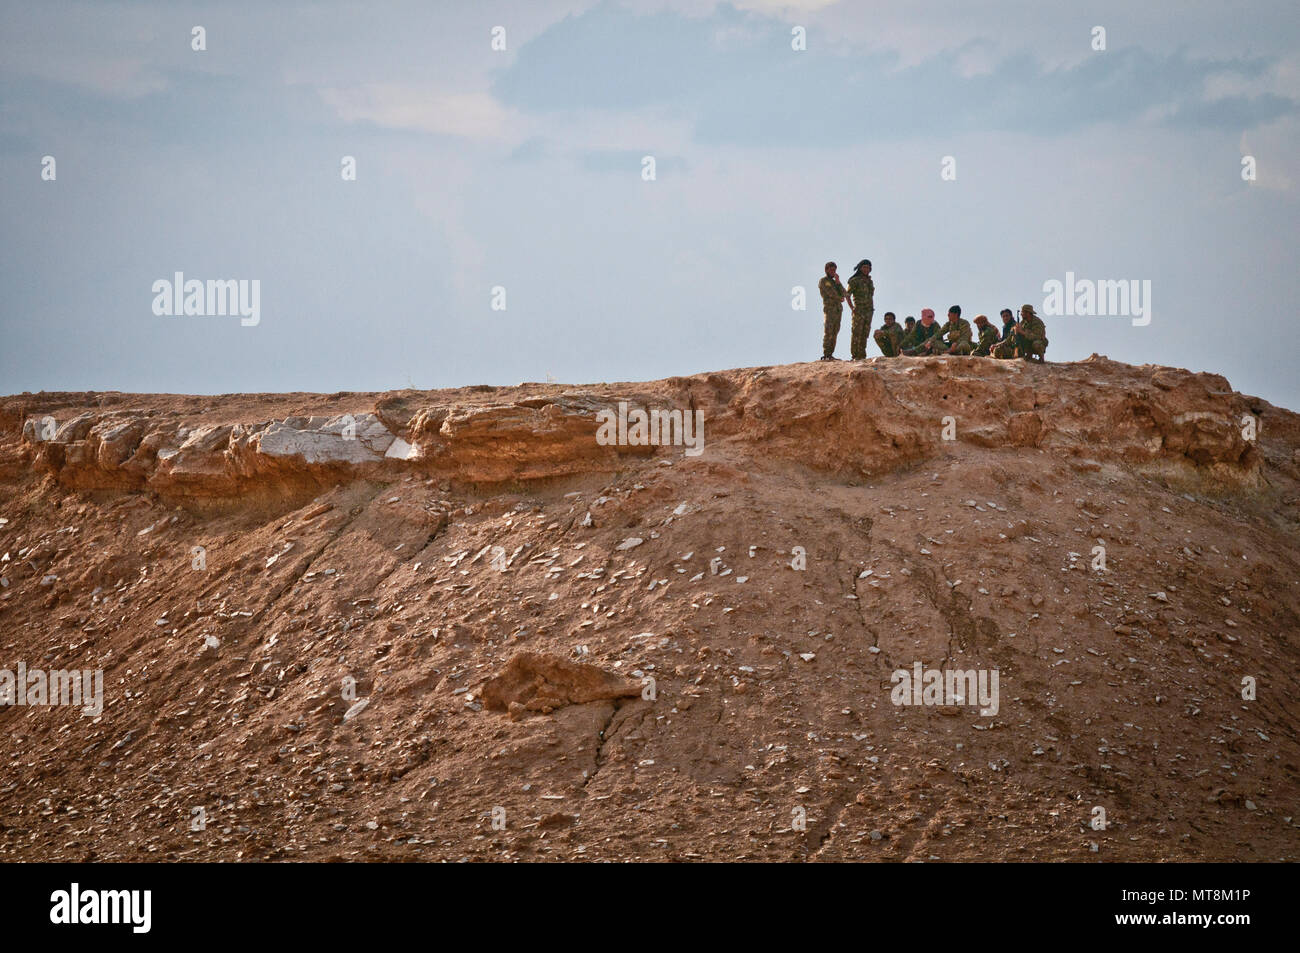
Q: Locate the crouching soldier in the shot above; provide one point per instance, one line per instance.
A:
(988, 336)
(890, 337)
(1028, 340)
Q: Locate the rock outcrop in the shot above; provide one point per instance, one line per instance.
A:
(537, 682)
(853, 418)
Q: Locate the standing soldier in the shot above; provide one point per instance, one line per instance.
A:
(833, 295)
(862, 294)
(988, 336)
(1028, 340)
(890, 337)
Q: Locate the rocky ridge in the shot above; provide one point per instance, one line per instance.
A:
(454, 625)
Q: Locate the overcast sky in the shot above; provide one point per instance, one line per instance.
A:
(522, 169)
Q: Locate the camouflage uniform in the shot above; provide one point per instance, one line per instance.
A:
(922, 336)
(863, 290)
(958, 334)
(1028, 340)
(910, 337)
(1033, 336)
(832, 308)
(988, 339)
(890, 339)
(934, 343)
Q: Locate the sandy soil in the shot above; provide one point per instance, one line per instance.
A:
(518, 644)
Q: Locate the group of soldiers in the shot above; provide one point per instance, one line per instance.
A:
(1025, 338)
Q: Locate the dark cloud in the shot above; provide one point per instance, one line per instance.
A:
(735, 76)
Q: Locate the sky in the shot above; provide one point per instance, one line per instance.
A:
(503, 224)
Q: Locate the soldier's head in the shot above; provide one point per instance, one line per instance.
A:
(1027, 311)
(910, 321)
(890, 317)
(830, 269)
(981, 320)
(927, 317)
(863, 268)
(1006, 314)
(954, 312)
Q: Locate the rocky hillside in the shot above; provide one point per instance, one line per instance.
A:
(455, 624)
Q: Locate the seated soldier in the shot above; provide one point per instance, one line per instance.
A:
(890, 336)
(988, 336)
(1008, 323)
(909, 334)
(923, 333)
(952, 338)
(956, 333)
(1028, 340)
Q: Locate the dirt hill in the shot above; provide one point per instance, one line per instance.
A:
(453, 624)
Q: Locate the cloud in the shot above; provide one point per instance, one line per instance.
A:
(468, 115)
(735, 79)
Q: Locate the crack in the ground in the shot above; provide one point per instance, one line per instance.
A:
(824, 840)
(603, 736)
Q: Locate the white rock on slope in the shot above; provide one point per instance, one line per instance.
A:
(323, 440)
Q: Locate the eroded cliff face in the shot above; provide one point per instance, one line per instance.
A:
(863, 419)
(374, 625)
